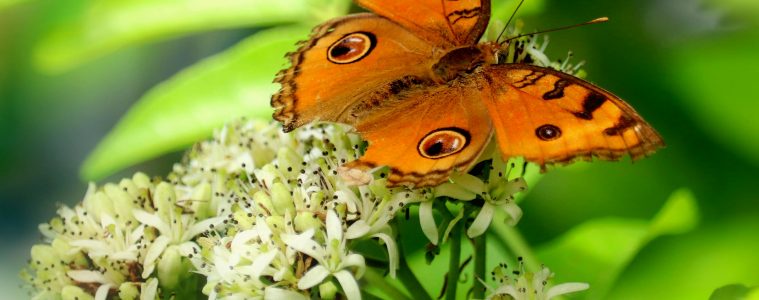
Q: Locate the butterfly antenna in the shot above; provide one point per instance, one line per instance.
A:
(509, 21)
(594, 21)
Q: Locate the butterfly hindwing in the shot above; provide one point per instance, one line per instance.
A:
(442, 22)
(551, 117)
(428, 133)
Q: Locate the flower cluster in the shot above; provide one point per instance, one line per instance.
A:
(289, 218)
(122, 239)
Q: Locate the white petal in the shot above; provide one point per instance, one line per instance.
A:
(541, 276)
(152, 220)
(514, 212)
(482, 221)
(261, 262)
(354, 260)
(566, 288)
(357, 230)
(201, 227)
(102, 292)
(454, 191)
(155, 251)
(349, 284)
(303, 243)
(149, 289)
(334, 227)
(241, 239)
(314, 276)
(87, 276)
(273, 293)
(392, 252)
(427, 220)
(506, 290)
(469, 182)
(264, 232)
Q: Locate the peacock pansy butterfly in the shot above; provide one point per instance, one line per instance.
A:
(413, 80)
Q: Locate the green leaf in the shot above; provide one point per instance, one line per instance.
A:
(597, 251)
(106, 26)
(679, 215)
(730, 292)
(694, 265)
(187, 107)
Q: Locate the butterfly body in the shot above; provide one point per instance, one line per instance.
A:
(428, 98)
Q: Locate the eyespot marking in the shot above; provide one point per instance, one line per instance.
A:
(548, 132)
(443, 142)
(351, 48)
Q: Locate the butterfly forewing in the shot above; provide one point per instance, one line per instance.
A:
(348, 62)
(445, 23)
(550, 117)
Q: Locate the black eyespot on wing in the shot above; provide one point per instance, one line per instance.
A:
(443, 142)
(351, 48)
(548, 132)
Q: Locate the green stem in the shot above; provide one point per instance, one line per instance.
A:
(454, 262)
(378, 280)
(410, 281)
(405, 274)
(514, 240)
(480, 256)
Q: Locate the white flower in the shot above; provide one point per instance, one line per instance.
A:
(497, 193)
(529, 286)
(333, 258)
(174, 227)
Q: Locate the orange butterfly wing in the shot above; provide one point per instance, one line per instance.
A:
(551, 117)
(347, 65)
(445, 23)
(423, 142)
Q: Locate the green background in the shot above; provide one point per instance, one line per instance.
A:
(169, 71)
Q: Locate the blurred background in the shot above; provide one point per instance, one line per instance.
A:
(164, 73)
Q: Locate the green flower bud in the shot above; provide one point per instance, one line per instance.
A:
(281, 199)
(201, 201)
(328, 290)
(262, 200)
(141, 180)
(129, 291)
(72, 292)
(98, 204)
(306, 220)
(173, 268)
(123, 203)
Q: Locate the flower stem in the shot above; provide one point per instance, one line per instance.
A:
(454, 262)
(406, 275)
(480, 256)
(409, 280)
(376, 279)
(518, 245)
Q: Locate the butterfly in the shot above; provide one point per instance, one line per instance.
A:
(414, 81)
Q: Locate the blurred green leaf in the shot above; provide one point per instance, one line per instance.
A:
(597, 251)
(730, 292)
(187, 107)
(708, 73)
(8, 3)
(107, 26)
(502, 10)
(679, 215)
(694, 265)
